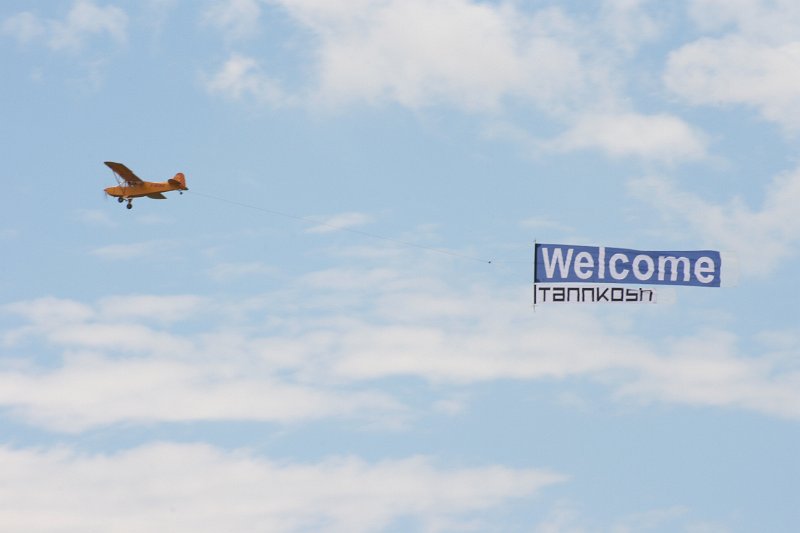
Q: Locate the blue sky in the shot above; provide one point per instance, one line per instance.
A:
(244, 358)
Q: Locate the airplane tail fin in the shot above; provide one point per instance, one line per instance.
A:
(179, 181)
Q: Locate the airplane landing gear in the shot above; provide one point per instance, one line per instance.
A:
(120, 200)
(130, 204)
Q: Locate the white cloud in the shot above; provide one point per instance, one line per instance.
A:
(161, 309)
(761, 237)
(95, 217)
(477, 57)
(89, 391)
(662, 138)
(44, 311)
(339, 222)
(733, 70)
(24, 27)
(755, 63)
(655, 137)
(197, 488)
(134, 250)
(458, 53)
(771, 21)
(289, 357)
(705, 370)
(115, 369)
(471, 55)
(629, 24)
(337, 279)
(236, 19)
(565, 518)
(9, 233)
(84, 19)
(242, 77)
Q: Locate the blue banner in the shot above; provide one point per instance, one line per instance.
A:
(566, 263)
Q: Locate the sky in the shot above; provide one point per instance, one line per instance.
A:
(333, 329)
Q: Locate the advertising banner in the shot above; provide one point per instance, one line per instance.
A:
(566, 263)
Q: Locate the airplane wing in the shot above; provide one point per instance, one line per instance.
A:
(123, 172)
(157, 196)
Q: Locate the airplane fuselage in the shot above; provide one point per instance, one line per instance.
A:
(145, 188)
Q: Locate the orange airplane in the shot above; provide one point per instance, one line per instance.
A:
(131, 186)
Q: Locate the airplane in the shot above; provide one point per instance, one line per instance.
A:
(132, 186)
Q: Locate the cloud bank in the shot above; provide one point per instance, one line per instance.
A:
(198, 488)
(265, 363)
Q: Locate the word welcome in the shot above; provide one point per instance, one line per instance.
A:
(598, 264)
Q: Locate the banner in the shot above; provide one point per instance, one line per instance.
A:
(564, 263)
(545, 294)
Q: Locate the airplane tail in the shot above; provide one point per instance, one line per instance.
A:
(179, 181)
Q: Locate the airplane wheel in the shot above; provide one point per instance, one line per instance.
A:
(120, 200)
(129, 206)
